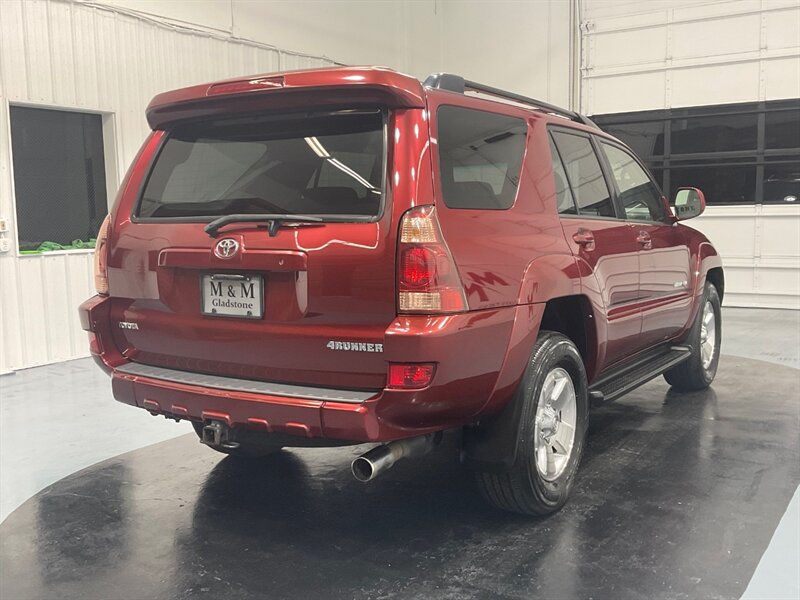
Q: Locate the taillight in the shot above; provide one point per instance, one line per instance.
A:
(427, 276)
(101, 259)
(411, 376)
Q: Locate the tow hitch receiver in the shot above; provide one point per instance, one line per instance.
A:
(216, 433)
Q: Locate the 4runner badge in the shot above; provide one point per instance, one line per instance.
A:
(226, 248)
(354, 346)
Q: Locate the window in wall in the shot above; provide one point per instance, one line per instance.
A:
(782, 183)
(639, 197)
(584, 175)
(714, 133)
(721, 184)
(658, 175)
(59, 177)
(480, 157)
(737, 154)
(646, 139)
(782, 129)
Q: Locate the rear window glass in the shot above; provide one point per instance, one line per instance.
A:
(322, 164)
(480, 155)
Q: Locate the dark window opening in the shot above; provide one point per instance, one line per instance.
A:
(321, 164)
(782, 129)
(734, 184)
(718, 133)
(480, 157)
(646, 139)
(782, 183)
(737, 154)
(59, 177)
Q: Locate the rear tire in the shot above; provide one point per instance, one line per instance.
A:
(241, 451)
(698, 371)
(551, 432)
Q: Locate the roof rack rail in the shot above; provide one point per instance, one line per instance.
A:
(456, 83)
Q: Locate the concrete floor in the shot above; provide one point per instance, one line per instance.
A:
(71, 422)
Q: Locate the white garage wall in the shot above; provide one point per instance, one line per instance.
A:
(351, 31)
(64, 55)
(675, 53)
(518, 46)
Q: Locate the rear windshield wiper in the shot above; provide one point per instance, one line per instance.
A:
(274, 221)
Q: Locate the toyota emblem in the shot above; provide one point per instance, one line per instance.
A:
(226, 248)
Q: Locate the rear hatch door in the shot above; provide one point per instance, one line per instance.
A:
(303, 299)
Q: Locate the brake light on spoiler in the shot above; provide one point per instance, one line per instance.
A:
(246, 85)
(428, 280)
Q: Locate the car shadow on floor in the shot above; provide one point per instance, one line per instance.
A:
(677, 496)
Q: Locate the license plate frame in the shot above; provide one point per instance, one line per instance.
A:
(227, 283)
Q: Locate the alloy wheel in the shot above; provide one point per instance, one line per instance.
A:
(554, 431)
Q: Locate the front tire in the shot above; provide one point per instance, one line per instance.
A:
(551, 431)
(698, 371)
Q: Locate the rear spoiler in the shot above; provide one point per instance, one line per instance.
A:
(341, 86)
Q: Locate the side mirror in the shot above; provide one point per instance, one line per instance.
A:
(689, 203)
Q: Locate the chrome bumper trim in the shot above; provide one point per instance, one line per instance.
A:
(232, 384)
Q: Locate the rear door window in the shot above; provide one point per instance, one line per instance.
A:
(564, 198)
(584, 175)
(321, 164)
(480, 157)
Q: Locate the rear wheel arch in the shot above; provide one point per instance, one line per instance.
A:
(573, 317)
(549, 276)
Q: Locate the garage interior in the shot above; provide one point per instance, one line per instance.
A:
(692, 496)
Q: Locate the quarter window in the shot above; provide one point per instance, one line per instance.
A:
(639, 197)
(584, 175)
(480, 157)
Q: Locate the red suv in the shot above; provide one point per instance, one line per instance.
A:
(347, 255)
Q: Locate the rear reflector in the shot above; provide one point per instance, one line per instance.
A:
(411, 376)
(94, 344)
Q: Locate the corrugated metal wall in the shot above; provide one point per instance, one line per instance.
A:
(80, 57)
(673, 53)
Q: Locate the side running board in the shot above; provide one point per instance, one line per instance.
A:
(628, 377)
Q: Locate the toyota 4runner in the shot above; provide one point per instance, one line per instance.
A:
(347, 255)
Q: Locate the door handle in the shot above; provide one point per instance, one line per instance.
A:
(644, 240)
(584, 237)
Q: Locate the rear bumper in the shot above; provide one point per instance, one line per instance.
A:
(268, 413)
(477, 355)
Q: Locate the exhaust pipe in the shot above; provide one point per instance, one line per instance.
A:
(382, 458)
